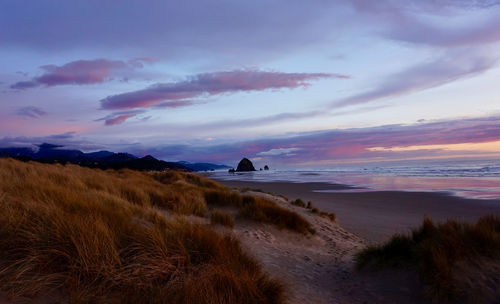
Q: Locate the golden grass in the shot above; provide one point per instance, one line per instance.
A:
(223, 218)
(101, 236)
(250, 207)
(259, 209)
(459, 262)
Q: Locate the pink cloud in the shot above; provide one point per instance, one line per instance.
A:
(347, 144)
(212, 84)
(118, 119)
(80, 72)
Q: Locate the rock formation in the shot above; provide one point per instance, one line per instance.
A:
(245, 165)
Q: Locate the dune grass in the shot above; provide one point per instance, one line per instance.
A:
(259, 209)
(103, 236)
(223, 218)
(300, 203)
(459, 262)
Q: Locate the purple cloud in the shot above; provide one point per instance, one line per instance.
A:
(405, 21)
(340, 144)
(119, 117)
(424, 76)
(212, 84)
(80, 72)
(31, 112)
(169, 29)
(68, 140)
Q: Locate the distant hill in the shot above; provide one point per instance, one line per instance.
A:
(49, 153)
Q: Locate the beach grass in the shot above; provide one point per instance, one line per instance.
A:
(258, 209)
(96, 236)
(457, 261)
(223, 218)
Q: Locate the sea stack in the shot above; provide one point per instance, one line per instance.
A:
(266, 167)
(245, 165)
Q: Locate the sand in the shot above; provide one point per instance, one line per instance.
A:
(375, 216)
(319, 268)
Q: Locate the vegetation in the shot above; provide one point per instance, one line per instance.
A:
(298, 202)
(262, 210)
(456, 260)
(259, 209)
(331, 216)
(223, 218)
(104, 236)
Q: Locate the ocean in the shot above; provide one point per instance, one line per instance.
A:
(477, 179)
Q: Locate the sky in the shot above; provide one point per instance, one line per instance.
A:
(288, 83)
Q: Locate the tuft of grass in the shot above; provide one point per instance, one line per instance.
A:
(298, 202)
(331, 216)
(447, 256)
(263, 210)
(258, 209)
(103, 237)
(283, 197)
(222, 218)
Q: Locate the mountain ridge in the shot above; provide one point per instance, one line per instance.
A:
(50, 153)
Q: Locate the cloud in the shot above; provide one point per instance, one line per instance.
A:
(278, 151)
(80, 72)
(68, 140)
(446, 69)
(344, 145)
(447, 138)
(185, 29)
(209, 84)
(119, 117)
(177, 103)
(409, 21)
(31, 112)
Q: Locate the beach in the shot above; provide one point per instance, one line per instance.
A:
(376, 216)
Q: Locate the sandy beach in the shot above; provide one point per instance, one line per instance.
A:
(375, 216)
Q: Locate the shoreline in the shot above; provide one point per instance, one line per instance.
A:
(376, 216)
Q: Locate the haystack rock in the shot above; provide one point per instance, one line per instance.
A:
(266, 167)
(245, 165)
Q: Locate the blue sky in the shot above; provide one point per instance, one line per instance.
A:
(290, 83)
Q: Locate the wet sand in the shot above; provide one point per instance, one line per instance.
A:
(375, 216)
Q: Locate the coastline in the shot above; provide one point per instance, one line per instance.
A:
(376, 216)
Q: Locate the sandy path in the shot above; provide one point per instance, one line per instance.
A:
(319, 268)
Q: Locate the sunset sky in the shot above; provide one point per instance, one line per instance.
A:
(284, 82)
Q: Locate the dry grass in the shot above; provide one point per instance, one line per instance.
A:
(250, 207)
(223, 218)
(460, 262)
(100, 237)
(259, 209)
(300, 203)
(266, 211)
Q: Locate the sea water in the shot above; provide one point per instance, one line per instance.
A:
(478, 179)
